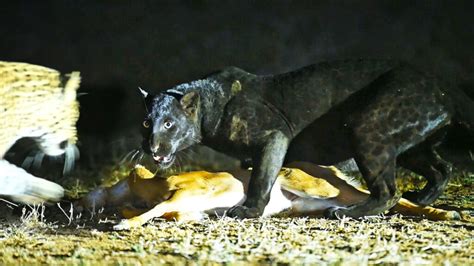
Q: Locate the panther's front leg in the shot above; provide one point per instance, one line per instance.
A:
(267, 164)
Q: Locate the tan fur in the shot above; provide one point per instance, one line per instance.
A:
(304, 191)
(192, 193)
(300, 183)
(141, 172)
(408, 208)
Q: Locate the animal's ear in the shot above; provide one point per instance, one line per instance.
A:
(146, 97)
(143, 92)
(190, 103)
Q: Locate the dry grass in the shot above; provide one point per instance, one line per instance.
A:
(34, 238)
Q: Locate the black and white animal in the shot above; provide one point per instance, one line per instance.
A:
(38, 103)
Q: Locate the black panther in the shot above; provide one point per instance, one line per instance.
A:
(379, 112)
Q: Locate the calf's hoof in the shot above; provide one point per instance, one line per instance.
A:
(127, 224)
(123, 225)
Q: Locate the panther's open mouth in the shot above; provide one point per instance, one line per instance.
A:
(164, 161)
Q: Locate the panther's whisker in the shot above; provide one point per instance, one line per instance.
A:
(131, 154)
(156, 171)
(126, 156)
(141, 156)
(137, 157)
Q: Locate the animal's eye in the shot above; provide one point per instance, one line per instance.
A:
(168, 124)
(146, 124)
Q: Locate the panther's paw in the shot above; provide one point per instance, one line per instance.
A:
(241, 212)
(420, 198)
(335, 212)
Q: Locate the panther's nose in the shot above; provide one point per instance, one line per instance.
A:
(154, 147)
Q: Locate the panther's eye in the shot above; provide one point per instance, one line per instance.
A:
(168, 124)
(146, 124)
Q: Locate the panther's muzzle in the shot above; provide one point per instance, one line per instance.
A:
(164, 161)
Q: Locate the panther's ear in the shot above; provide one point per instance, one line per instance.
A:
(145, 97)
(143, 92)
(190, 103)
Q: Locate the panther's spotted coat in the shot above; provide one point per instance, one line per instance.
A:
(378, 112)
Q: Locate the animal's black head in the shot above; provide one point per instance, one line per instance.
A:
(171, 124)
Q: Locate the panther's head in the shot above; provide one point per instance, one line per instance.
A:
(170, 124)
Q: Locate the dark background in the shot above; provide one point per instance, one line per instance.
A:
(120, 45)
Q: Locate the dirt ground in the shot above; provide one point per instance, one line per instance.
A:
(57, 236)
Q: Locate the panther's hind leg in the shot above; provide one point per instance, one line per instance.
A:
(375, 153)
(379, 174)
(405, 109)
(426, 162)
